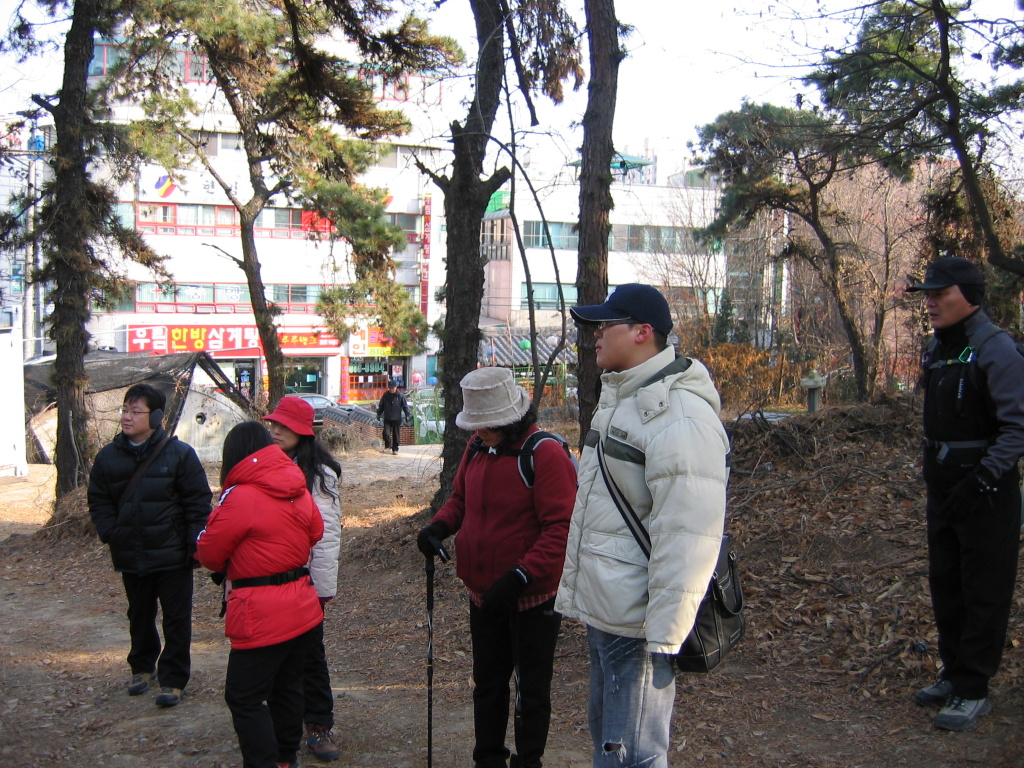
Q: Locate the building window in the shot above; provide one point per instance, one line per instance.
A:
(562, 235)
(197, 69)
(104, 58)
(156, 293)
(293, 294)
(653, 239)
(545, 295)
(231, 293)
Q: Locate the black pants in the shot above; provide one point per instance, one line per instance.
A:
(316, 683)
(263, 690)
(522, 642)
(392, 428)
(972, 567)
(172, 590)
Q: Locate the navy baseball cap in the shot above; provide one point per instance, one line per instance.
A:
(947, 271)
(632, 301)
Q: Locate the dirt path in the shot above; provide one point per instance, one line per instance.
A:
(786, 697)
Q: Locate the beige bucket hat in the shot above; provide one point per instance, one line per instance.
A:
(491, 398)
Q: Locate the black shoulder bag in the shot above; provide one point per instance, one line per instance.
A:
(720, 623)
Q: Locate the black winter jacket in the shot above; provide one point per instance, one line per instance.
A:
(156, 529)
(392, 406)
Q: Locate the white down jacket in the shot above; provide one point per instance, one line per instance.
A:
(323, 559)
(668, 453)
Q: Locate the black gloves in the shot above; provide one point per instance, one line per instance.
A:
(503, 595)
(966, 495)
(429, 539)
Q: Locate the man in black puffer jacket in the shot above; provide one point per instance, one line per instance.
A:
(152, 536)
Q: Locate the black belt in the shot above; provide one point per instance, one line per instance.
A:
(956, 444)
(272, 580)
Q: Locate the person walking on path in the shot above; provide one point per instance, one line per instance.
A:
(973, 382)
(259, 537)
(657, 433)
(509, 552)
(150, 522)
(391, 408)
(291, 428)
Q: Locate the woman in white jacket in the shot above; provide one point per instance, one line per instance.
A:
(291, 426)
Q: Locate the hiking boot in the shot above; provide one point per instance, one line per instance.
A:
(320, 742)
(961, 714)
(934, 694)
(140, 683)
(168, 697)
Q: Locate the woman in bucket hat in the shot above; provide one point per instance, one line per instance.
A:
(291, 427)
(510, 547)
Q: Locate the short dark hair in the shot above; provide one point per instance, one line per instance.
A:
(512, 432)
(660, 339)
(155, 399)
(243, 440)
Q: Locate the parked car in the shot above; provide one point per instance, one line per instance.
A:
(319, 402)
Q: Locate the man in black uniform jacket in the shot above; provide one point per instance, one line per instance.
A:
(391, 408)
(973, 381)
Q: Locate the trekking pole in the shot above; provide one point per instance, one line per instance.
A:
(429, 568)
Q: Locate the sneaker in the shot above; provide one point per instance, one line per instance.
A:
(320, 742)
(936, 693)
(140, 683)
(961, 714)
(168, 697)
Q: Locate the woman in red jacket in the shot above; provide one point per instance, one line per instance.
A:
(260, 536)
(510, 549)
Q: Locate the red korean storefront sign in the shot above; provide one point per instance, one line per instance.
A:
(224, 340)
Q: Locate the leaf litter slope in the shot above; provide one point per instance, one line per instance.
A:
(827, 515)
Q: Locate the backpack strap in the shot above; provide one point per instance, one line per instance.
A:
(526, 466)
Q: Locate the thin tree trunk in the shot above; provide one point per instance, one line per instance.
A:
(595, 187)
(262, 311)
(466, 196)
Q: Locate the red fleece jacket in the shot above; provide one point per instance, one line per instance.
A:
(501, 523)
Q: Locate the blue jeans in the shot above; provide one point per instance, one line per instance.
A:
(631, 697)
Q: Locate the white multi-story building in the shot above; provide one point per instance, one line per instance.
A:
(206, 307)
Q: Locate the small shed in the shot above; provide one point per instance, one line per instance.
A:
(202, 402)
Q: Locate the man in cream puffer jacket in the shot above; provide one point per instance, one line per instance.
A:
(666, 449)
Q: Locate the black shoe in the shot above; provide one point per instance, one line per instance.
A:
(934, 694)
(168, 697)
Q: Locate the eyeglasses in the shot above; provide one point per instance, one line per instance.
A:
(133, 414)
(609, 323)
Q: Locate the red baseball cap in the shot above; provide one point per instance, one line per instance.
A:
(294, 413)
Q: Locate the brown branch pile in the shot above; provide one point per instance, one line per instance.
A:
(827, 511)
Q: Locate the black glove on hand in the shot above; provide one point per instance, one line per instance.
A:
(966, 495)
(429, 539)
(503, 595)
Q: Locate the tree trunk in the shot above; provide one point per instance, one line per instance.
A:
(261, 310)
(70, 227)
(595, 188)
(465, 200)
